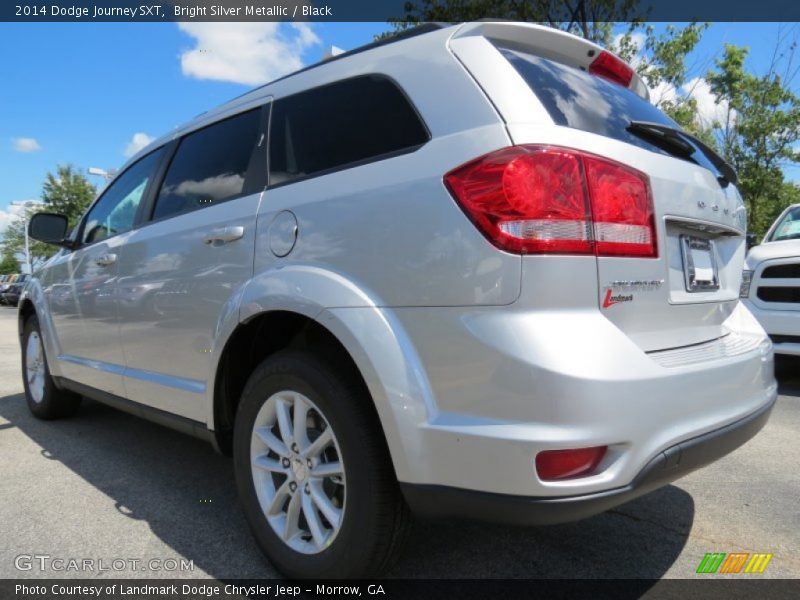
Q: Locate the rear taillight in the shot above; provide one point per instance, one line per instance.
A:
(612, 68)
(549, 200)
(622, 209)
(553, 465)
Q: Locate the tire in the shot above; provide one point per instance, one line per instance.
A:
(373, 520)
(44, 399)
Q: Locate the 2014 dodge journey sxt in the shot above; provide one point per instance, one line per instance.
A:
(467, 271)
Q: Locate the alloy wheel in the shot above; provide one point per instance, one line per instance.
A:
(298, 472)
(35, 366)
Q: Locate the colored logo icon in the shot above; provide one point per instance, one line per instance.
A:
(736, 562)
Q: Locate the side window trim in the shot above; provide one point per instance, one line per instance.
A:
(252, 168)
(258, 169)
(151, 193)
(148, 191)
(356, 163)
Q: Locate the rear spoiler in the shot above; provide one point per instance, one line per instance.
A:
(561, 47)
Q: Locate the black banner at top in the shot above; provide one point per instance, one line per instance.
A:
(385, 10)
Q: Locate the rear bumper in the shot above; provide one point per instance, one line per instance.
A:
(506, 385)
(434, 501)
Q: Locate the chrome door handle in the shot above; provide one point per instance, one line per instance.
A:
(223, 235)
(106, 260)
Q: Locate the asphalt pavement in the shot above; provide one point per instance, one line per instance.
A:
(107, 486)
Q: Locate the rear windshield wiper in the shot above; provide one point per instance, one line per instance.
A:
(683, 144)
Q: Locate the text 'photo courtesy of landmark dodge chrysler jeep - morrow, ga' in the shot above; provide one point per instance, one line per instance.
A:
(465, 272)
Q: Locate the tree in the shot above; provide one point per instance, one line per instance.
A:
(66, 192)
(14, 241)
(8, 264)
(760, 129)
(591, 19)
(662, 61)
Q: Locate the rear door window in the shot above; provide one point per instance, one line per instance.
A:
(210, 165)
(341, 125)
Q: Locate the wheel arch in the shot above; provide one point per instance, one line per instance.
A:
(308, 304)
(26, 310)
(363, 342)
(32, 302)
(251, 342)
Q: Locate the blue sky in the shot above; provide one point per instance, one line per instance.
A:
(80, 93)
(83, 90)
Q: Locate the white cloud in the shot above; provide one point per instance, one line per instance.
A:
(663, 92)
(11, 213)
(24, 144)
(138, 141)
(247, 53)
(219, 186)
(709, 110)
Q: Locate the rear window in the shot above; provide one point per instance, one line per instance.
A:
(341, 125)
(576, 99)
(579, 100)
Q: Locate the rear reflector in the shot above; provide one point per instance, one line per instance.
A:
(612, 68)
(548, 200)
(553, 465)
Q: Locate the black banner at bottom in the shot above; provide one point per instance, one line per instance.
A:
(391, 589)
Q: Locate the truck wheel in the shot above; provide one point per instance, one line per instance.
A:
(44, 399)
(313, 472)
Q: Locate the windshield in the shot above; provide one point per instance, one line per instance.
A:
(789, 226)
(576, 99)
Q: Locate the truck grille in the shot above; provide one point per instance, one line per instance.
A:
(782, 271)
(777, 284)
(779, 294)
(785, 339)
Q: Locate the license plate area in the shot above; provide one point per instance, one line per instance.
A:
(699, 264)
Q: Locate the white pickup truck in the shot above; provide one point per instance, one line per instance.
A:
(771, 282)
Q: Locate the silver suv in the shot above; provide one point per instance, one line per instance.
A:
(464, 272)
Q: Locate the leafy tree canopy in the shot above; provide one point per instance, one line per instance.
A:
(8, 264)
(67, 192)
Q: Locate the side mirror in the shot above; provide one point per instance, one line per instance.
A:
(49, 228)
(750, 240)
